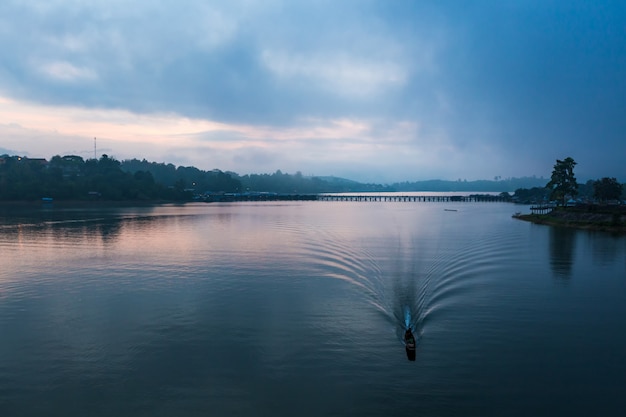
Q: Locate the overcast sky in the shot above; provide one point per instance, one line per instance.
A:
(377, 91)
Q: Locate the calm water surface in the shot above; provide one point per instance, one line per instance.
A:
(298, 309)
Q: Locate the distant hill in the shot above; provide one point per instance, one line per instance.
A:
(278, 181)
(72, 178)
(506, 185)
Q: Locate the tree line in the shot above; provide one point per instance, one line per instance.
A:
(216, 181)
(71, 177)
(564, 186)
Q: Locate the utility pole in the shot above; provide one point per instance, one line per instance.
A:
(94, 149)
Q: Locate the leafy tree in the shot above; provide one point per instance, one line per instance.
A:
(586, 190)
(532, 195)
(563, 182)
(187, 177)
(607, 189)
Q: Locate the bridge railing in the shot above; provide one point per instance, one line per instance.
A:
(353, 197)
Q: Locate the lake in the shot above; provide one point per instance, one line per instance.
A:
(298, 308)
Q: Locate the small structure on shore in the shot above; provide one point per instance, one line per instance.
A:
(542, 208)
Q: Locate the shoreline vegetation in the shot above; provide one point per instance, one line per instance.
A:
(73, 182)
(600, 205)
(588, 217)
(71, 177)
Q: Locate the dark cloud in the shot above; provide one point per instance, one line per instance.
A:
(549, 77)
(517, 83)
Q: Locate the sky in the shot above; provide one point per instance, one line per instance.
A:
(370, 90)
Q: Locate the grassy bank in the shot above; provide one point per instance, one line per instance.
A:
(592, 217)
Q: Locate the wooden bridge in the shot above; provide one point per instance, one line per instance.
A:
(414, 198)
(369, 197)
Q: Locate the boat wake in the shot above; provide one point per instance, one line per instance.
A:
(400, 297)
(409, 303)
(409, 286)
(414, 278)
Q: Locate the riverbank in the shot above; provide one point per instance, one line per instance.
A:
(589, 218)
(36, 204)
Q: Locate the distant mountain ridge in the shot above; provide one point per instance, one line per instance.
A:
(506, 185)
(298, 183)
(72, 177)
(435, 185)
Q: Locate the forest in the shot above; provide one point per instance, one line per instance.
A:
(71, 177)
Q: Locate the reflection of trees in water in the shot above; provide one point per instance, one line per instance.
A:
(604, 248)
(76, 226)
(562, 248)
(97, 230)
(108, 231)
(88, 232)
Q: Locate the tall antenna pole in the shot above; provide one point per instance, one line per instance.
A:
(94, 149)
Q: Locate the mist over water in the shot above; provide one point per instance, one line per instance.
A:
(263, 309)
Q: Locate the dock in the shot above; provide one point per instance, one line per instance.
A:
(541, 208)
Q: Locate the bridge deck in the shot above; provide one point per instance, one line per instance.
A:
(355, 197)
(413, 198)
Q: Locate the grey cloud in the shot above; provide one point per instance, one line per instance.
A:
(528, 82)
(166, 58)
